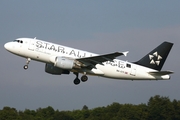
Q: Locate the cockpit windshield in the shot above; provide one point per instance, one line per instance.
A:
(19, 41)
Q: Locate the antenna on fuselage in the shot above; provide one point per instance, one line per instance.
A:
(35, 38)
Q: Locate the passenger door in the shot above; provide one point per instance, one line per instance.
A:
(133, 70)
(31, 45)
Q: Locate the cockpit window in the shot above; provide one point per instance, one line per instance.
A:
(19, 41)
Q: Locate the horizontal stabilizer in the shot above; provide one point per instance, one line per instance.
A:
(161, 73)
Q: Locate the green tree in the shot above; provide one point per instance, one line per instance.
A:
(176, 105)
(85, 107)
(63, 115)
(45, 113)
(97, 113)
(157, 108)
(8, 114)
(160, 108)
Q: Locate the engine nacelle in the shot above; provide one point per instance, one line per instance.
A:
(64, 63)
(49, 68)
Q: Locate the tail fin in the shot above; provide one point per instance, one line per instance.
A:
(156, 58)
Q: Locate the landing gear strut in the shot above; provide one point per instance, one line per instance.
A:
(84, 78)
(76, 80)
(27, 63)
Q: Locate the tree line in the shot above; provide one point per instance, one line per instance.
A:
(157, 108)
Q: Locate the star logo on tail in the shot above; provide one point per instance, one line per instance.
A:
(155, 58)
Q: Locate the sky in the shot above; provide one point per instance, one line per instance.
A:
(98, 26)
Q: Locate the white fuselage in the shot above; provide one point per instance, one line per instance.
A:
(44, 51)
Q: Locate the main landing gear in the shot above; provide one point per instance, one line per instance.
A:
(27, 63)
(84, 78)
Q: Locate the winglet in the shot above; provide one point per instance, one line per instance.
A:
(125, 53)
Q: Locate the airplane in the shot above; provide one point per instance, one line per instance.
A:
(61, 59)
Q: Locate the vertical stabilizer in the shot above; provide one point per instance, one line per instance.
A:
(157, 57)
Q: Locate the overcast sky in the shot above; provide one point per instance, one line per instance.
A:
(99, 26)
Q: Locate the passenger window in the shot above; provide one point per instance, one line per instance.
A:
(21, 41)
(128, 65)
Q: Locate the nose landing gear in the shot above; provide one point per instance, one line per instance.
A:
(27, 63)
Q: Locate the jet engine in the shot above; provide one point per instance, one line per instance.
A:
(64, 63)
(50, 68)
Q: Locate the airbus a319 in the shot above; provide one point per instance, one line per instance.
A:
(60, 59)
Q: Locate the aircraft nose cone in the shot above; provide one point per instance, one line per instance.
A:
(7, 46)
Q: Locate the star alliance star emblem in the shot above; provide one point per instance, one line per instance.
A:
(155, 58)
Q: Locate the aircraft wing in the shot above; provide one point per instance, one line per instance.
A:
(92, 61)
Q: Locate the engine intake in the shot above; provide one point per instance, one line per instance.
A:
(49, 68)
(64, 63)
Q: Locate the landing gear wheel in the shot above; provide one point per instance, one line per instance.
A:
(26, 67)
(84, 78)
(76, 81)
(27, 62)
